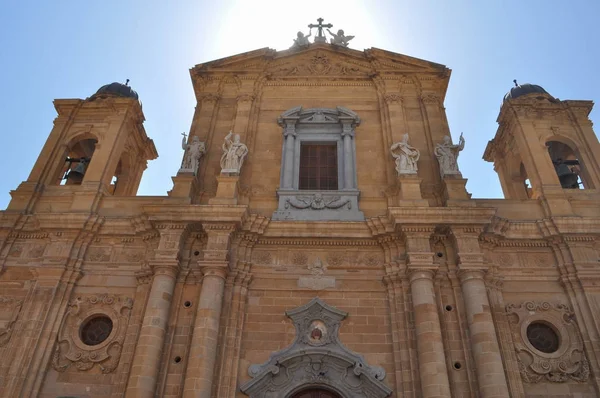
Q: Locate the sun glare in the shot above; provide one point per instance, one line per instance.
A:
(258, 24)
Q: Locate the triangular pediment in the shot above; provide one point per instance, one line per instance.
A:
(320, 59)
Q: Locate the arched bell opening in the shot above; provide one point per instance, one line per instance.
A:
(569, 168)
(524, 179)
(123, 180)
(76, 162)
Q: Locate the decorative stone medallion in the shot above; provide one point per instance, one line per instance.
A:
(83, 341)
(548, 343)
(316, 359)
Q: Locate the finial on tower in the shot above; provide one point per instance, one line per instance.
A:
(127, 82)
(516, 84)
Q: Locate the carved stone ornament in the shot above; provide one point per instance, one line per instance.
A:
(317, 202)
(71, 350)
(316, 358)
(567, 362)
(9, 312)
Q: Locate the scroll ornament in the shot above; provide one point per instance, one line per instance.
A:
(71, 350)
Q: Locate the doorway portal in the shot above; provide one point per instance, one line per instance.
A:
(315, 393)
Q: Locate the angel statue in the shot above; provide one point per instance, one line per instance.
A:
(340, 39)
(234, 153)
(406, 156)
(447, 155)
(193, 152)
(301, 40)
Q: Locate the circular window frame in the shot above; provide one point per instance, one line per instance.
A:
(89, 319)
(556, 326)
(89, 315)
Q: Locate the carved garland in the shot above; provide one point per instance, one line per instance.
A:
(568, 362)
(70, 349)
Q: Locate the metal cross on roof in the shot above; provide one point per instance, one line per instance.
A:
(320, 37)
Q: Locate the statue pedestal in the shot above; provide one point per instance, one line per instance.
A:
(455, 191)
(184, 185)
(410, 191)
(227, 190)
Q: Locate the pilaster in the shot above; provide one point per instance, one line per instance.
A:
(421, 270)
(148, 353)
(200, 375)
(484, 341)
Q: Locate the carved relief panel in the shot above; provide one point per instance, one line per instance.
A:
(9, 312)
(548, 343)
(92, 333)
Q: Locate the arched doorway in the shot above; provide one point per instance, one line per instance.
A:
(315, 393)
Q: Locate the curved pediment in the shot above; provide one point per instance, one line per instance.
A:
(316, 358)
(319, 115)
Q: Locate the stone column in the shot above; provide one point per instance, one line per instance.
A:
(430, 346)
(289, 133)
(148, 353)
(203, 352)
(347, 135)
(484, 342)
(432, 361)
(482, 331)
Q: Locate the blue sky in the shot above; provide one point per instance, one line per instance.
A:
(68, 49)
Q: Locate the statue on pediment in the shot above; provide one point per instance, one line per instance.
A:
(193, 152)
(447, 155)
(234, 153)
(340, 39)
(301, 40)
(406, 156)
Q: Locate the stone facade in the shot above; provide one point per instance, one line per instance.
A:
(243, 285)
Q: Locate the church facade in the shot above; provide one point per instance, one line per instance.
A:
(318, 241)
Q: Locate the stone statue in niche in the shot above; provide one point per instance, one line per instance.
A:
(301, 40)
(406, 156)
(234, 153)
(447, 155)
(340, 39)
(193, 152)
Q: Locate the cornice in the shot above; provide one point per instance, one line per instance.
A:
(196, 213)
(316, 242)
(317, 229)
(441, 215)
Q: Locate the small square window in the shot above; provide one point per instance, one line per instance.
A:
(318, 167)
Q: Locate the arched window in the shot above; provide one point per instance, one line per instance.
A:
(567, 165)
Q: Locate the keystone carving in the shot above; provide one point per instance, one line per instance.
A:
(316, 358)
(568, 362)
(71, 350)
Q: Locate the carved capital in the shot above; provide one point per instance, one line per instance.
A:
(430, 99)
(393, 98)
(415, 274)
(209, 98)
(466, 275)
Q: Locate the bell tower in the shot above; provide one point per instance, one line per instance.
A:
(544, 148)
(98, 146)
